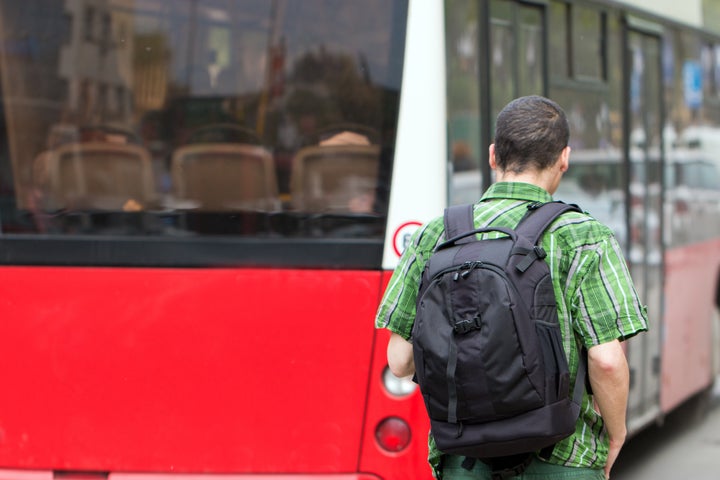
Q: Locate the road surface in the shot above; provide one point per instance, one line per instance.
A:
(684, 448)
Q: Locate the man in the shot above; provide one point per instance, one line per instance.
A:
(597, 304)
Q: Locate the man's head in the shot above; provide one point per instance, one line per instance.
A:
(531, 133)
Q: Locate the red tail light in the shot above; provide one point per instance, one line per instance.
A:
(393, 434)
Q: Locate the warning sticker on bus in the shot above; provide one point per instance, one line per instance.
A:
(402, 235)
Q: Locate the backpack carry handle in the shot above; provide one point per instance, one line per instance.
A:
(452, 241)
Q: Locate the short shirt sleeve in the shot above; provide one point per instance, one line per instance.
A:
(397, 308)
(606, 306)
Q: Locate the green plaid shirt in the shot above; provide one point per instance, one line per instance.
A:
(596, 299)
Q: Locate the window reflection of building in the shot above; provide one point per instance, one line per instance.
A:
(118, 74)
(97, 63)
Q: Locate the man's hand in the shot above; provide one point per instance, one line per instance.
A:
(613, 454)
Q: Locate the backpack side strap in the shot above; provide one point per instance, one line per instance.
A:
(533, 225)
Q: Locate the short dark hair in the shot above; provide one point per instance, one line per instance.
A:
(530, 132)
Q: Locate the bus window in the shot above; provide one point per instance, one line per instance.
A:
(463, 102)
(185, 119)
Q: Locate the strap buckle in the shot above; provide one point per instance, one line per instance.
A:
(468, 325)
(536, 253)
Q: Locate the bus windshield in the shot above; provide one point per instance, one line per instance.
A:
(190, 121)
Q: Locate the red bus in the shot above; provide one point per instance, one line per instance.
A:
(201, 203)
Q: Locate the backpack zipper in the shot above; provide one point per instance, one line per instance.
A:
(463, 269)
(466, 268)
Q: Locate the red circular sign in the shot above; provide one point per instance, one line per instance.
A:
(402, 235)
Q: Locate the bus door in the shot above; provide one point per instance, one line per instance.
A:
(644, 141)
(495, 53)
(516, 57)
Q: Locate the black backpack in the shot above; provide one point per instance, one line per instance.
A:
(487, 344)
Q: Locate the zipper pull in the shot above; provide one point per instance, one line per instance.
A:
(470, 267)
(461, 270)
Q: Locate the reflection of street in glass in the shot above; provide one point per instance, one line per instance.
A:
(603, 204)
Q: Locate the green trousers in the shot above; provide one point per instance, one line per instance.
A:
(537, 470)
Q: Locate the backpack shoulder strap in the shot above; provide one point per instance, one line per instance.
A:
(540, 216)
(535, 222)
(458, 220)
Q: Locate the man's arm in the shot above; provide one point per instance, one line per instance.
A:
(400, 356)
(610, 381)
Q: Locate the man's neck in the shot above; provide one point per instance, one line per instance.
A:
(545, 179)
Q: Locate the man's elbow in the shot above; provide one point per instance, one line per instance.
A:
(401, 370)
(608, 359)
(400, 356)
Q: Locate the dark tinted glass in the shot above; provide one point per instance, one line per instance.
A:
(190, 120)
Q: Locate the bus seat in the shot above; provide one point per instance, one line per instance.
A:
(224, 176)
(331, 178)
(96, 176)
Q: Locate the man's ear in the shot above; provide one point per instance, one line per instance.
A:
(493, 163)
(565, 159)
